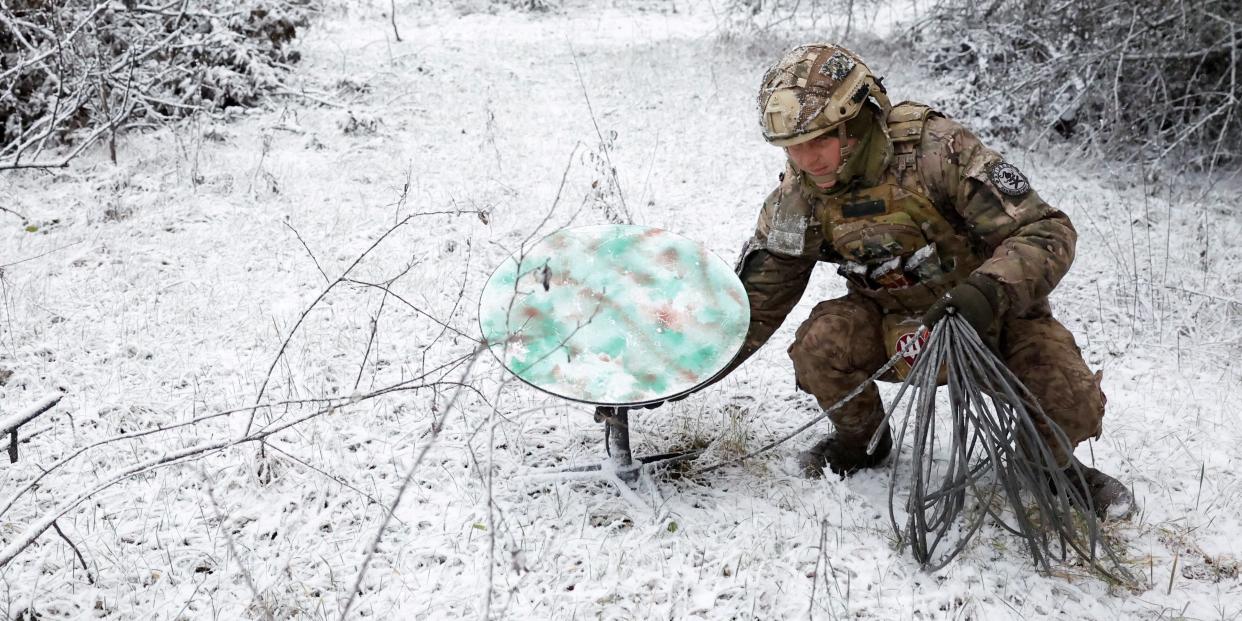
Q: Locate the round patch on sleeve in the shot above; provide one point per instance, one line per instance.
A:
(1008, 179)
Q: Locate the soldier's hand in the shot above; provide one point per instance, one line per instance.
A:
(606, 412)
(974, 300)
(652, 406)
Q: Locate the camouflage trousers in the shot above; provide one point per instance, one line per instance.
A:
(841, 344)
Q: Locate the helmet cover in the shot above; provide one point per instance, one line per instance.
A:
(812, 89)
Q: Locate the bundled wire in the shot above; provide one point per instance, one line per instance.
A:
(995, 452)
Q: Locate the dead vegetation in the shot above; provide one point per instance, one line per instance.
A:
(1144, 81)
(76, 72)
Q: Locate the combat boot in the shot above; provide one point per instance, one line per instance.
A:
(1111, 498)
(842, 457)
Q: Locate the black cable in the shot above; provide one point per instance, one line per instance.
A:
(994, 451)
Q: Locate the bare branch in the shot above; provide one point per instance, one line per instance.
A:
(197, 451)
(342, 278)
(308, 251)
(89, 578)
(414, 308)
(228, 538)
(405, 483)
(392, 13)
(8, 426)
(7, 210)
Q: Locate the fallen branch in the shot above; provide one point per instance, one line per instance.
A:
(197, 451)
(133, 435)
(8, 427)
(405, 483)
(40, 526)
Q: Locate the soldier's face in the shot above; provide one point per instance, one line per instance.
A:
(819, 157)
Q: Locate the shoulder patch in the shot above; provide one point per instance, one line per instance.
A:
(1008, 179)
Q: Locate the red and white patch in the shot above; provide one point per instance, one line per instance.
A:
(915, 341)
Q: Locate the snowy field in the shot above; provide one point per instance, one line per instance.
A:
(187, 283)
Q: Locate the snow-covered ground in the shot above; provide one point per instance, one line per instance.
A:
(163, 289)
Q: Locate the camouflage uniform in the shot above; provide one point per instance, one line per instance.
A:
(933, 208)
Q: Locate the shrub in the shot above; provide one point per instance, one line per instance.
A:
(72, 71)
(1148, 77)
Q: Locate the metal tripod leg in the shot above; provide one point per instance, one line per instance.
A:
(617, 440)
(621, 468)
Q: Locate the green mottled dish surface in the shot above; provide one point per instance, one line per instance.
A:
(614, 314)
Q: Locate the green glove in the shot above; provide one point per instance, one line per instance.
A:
(975, 300)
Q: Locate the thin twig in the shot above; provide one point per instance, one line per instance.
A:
(289, 91)
(465, 277)
(405, 483)
(414, 308)
(308, 251)
(332, 477)
(40, 255)
(7, 210)
(197, 451)
(89, 578)
(289, 337)
(392, 13)
(371, 339)
(228, 538)
(603, 144)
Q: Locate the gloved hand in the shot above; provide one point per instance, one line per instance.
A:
(652, 406)
(975, 300)
(607, 412)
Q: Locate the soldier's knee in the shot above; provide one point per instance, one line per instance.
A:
(839, 341)
(822, 342)
(1039, 338)
(1069, 394)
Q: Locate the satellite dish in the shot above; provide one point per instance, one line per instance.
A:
(616, 315)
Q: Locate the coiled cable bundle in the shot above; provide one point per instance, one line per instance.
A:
(995, 451)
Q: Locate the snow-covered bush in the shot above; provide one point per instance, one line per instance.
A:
(840, 21)
(75, 71)
(1149, 78)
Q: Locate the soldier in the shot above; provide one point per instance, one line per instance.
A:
(919, 217)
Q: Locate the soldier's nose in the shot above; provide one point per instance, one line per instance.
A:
(801, 155)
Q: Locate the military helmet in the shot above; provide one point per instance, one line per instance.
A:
(813, 89)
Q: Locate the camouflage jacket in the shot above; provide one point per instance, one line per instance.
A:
(945, 207)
